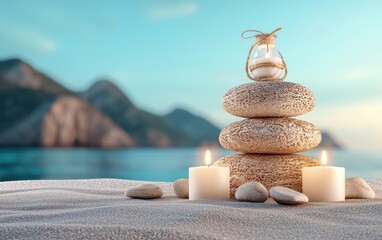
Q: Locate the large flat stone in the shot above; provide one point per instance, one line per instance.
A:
(270, 136)
(269, 170)
(269, 99)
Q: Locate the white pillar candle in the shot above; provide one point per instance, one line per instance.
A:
(324, 183)
(266, 72)
(209, 182)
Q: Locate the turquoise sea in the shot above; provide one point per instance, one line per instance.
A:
(150, 164)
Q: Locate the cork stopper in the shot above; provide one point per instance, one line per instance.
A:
(266, 39)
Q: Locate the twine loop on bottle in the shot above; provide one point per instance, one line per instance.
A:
(263, 39)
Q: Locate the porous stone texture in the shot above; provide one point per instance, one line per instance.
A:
(269, 99)
(145, 191)
(357, 188)
(270, 170)
(270, 136)
(287, 196)
(181, 187)
(252, 192)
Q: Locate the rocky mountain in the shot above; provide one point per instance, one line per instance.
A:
(38, 111)
(198, 128)
(147, 129)
(328, 141)
(65, 122)
(21, 74)
(72, 121)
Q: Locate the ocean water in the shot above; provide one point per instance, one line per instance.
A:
(151, 164)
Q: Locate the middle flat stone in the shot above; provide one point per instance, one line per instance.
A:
(270, 136)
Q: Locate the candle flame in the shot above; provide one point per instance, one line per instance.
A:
(207, 157)
(324, 158)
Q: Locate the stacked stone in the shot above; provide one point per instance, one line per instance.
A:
(269, 138)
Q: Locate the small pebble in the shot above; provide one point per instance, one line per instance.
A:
(287, 196)
(252, 192)
(181, 187)
(357, 188)
(145, 191)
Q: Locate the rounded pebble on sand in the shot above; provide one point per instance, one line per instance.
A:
(181, 187)
(145, 191)
(357, 188)
(252, 192)
(287, 196)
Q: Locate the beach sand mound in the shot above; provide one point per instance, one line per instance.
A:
(98, 209)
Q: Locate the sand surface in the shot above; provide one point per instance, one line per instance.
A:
(98, 209)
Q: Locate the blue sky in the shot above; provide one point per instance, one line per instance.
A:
(165, 54)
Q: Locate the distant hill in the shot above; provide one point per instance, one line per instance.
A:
(147, 129)
(38, 111)
(20, 74)
(23, 90)
(198, 128)
(328, 141)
